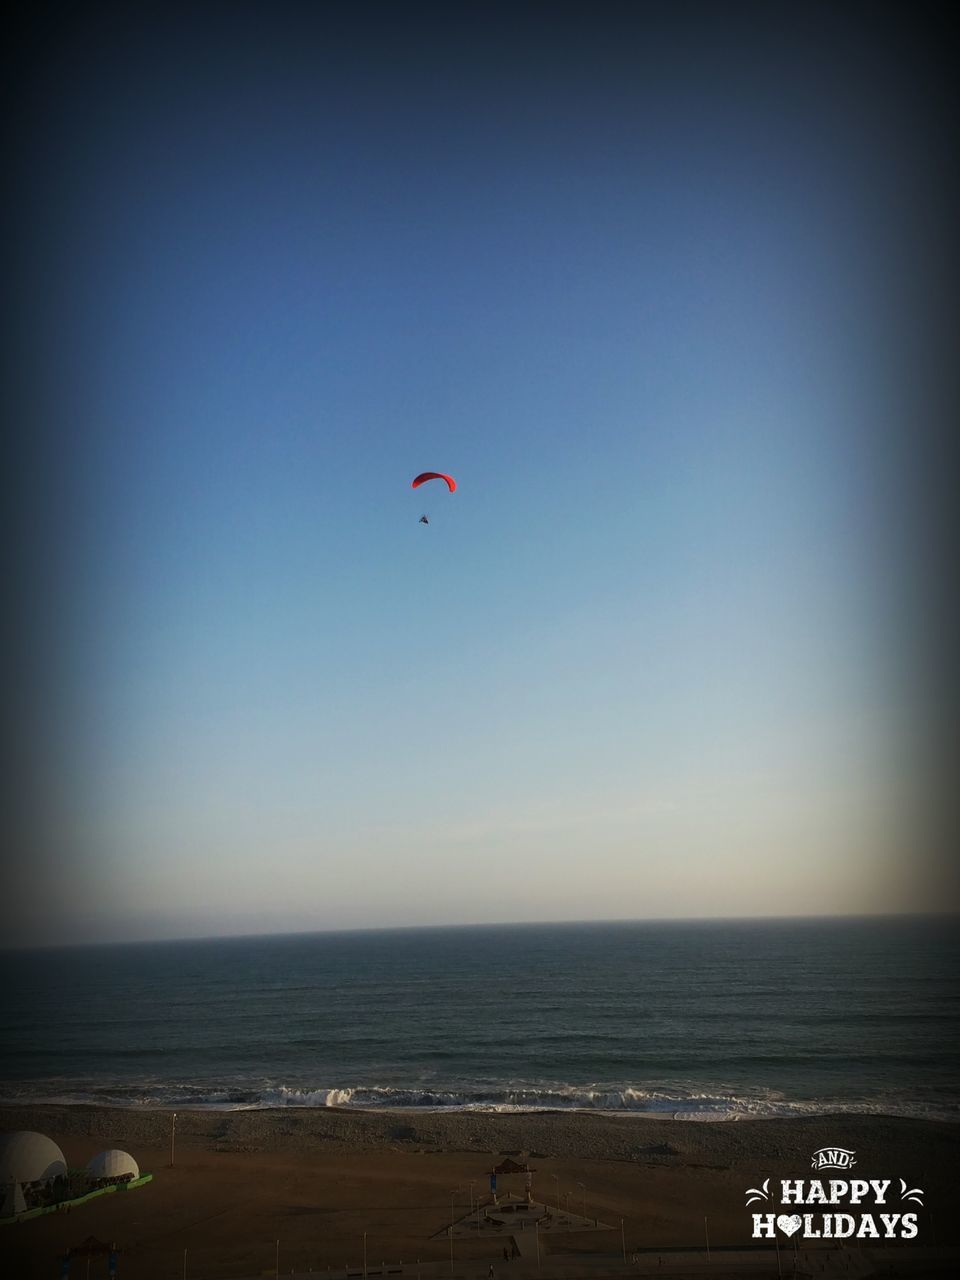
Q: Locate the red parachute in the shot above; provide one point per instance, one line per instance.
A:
(434, 475)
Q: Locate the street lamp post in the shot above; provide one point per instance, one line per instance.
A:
(173, 1134)
(556, 1178)
(364, 1256)
(583, 1188)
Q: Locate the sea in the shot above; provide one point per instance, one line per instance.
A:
(700, 1020)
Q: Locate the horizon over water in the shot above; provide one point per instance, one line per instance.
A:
(702, 1019)
(247, 935)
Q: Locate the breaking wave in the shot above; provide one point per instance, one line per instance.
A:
(680, 1104)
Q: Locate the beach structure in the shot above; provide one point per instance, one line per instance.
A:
(13, 1201)
(29, 1157)
(113, 1163)
(507, 1167)
(34, 1177)
(26, 1159)
(89, 1249)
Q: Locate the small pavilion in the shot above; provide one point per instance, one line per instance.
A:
(509, 1167)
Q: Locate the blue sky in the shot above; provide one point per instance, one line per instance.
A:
(638, 284)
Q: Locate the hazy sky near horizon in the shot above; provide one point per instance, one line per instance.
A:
(641, 278)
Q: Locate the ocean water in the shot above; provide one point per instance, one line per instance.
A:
(696, 1019)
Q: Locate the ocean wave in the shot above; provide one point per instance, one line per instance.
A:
(691, 1104)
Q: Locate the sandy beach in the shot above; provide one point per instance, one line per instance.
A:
(318, 1181)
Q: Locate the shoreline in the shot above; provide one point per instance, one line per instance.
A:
(684, 1111)
(568, 1134)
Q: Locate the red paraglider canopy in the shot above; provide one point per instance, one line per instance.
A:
(434, 475)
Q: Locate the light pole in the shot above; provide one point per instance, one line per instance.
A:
(536, 1228)
(706, 1235)
(173, 1134)
(452, 1194)
(277, 1265)
(472, 1184)
(623, 1241)
(556, 1178)
(583, 1188)
(364, 1256)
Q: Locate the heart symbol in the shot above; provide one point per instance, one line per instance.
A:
(788, 1225)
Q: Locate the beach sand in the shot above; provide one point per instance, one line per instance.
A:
(317, 1180)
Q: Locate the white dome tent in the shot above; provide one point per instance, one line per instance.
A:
(29, 1157)
(112, 1163)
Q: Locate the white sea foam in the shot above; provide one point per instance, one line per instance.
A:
(690, 1104)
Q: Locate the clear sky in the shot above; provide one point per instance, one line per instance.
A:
(640, 277)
